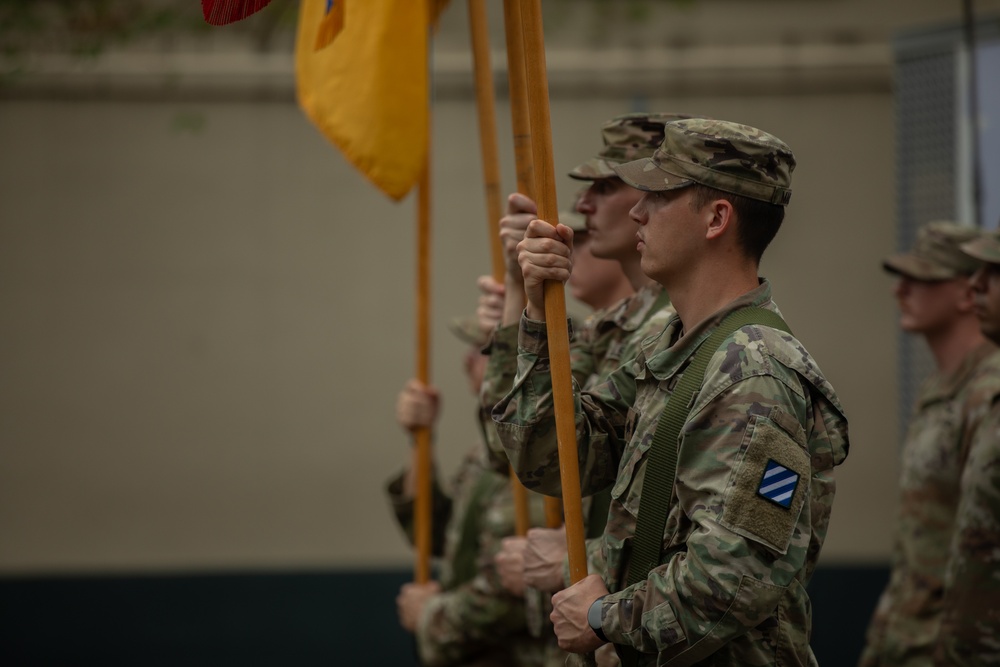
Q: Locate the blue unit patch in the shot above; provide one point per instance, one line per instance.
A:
(778, 484)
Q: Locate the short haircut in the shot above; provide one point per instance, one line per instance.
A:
(759, 221)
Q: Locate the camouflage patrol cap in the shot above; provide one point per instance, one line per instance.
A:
(467, 330)
(627, 137)
(721, 154)
(575, 221)
(986, 248)
(937, 253)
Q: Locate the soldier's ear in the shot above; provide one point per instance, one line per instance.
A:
(719, 217)
(965, 303)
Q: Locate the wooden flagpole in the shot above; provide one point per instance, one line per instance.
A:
(523, 160)
(518, 86)
(422, 509)
(486, 106)
(555, 296)
(422, 436)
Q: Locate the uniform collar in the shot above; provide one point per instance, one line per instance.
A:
(944, 387)
(633, 311)
(666, 353)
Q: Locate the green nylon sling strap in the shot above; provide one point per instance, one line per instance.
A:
(597, 518)
(661, 466)
(465, 561)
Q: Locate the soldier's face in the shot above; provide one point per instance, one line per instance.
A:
(594, 281)
(986, 296)
(928, 307)
(671, 234)
(606, 204)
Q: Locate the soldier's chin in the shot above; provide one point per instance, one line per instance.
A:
(990, 329)
(909, 324)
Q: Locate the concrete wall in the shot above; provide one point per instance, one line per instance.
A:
(207, 316)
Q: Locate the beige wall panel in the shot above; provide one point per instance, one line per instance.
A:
(206, 316)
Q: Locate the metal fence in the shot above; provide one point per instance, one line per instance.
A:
(933, 155)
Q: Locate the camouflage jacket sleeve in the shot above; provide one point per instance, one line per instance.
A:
(497, 381)
(733, 556)
(595, 558)
(501, 369)
(479, 616)
(587, 348)
(525, 421)
(402, 506)
(971, 625)
(501, 373)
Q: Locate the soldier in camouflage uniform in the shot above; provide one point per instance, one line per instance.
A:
(936, 302)
(468, 618)
(736, 555)
(608, 336)
(611, 334)
(970, 633)
(529, 565)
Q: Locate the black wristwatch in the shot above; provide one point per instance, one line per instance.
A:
(594, 617)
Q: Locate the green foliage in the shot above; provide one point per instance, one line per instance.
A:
(88, 27)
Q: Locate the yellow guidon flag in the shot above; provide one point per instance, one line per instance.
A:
(362, 79)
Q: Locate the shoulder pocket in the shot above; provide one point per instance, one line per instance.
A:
(771, 484)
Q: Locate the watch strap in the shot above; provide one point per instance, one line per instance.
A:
(595, 617)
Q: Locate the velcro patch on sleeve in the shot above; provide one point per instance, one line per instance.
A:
(769, 488)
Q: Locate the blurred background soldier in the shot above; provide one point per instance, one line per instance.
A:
(970, 632)
(936, 302)
(467, 617)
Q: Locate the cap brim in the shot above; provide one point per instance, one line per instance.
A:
(575, 221)
(917, 268)
(645, 174)
(592, 170)
(985, 249)
(467, 330)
